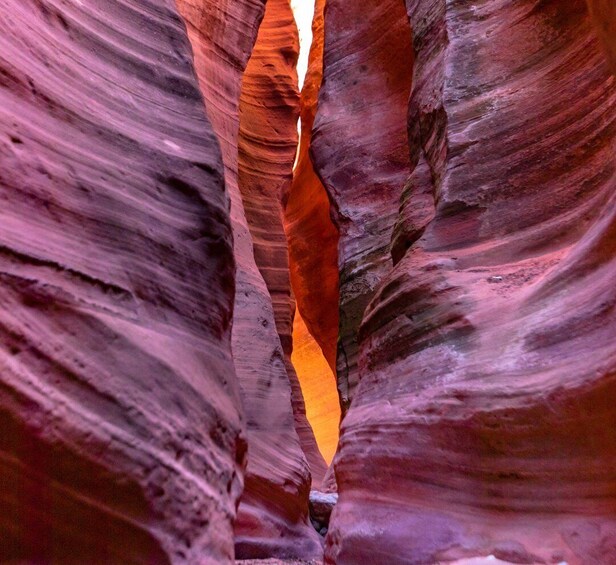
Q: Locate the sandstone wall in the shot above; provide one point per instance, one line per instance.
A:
(487, 355)
(359, 149)
(120, 434)
(269, 111)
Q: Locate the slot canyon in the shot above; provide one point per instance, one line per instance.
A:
(293, 282)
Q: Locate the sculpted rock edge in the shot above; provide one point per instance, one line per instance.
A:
(119, 409)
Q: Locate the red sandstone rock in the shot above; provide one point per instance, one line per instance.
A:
(484, 417)
(484, 370)
(269, 110)
(119, 420)
(313, 253)
(273, 514)
(360, 151)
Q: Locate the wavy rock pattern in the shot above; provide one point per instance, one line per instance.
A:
(119, 410)
(487, 361)
(273, 514)
(313, 261)
(359, 149)
(269, 110)
(308, 224)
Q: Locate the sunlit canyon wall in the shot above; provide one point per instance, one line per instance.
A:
(273, 513)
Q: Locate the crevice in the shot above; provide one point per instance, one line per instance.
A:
(360, 152)
(267, 149)
(313, 253)
(427, 127)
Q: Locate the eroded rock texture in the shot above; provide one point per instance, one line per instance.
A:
(484, 414)
(273, 514)
(360, 152)
(269, 110)
(118, 405)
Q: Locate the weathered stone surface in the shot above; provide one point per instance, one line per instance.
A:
(118, 405)
(476, 228)
(269, 110)
(360, 151)
(313, 254)
(484, 417)
(273, 514)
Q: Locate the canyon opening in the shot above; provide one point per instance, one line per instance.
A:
(297, 282)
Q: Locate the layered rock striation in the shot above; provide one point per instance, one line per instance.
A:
(269, 110)
(450, 235)
(311, 234)
(487, 356)
(119, 406)
(360, 152)
(273, 513)
(312, 240)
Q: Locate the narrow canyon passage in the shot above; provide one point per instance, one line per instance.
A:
(307, 281)
(313, 251)
(271, 171)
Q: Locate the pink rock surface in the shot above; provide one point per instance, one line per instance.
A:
(273, 514)
(359, 149)
(118, 406)
(484, 415)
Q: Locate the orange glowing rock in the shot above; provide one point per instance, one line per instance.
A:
(318, 387)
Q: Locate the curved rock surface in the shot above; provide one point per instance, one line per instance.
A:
(360, 152)
(269, 110)
(319, 391)
(484, 414)
(119, 409)
(312, 236)
(273, 513)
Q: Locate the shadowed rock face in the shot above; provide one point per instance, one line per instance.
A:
(359, 149)
(118, 405)
(484, 414)
(273, 513)
(603, 13)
